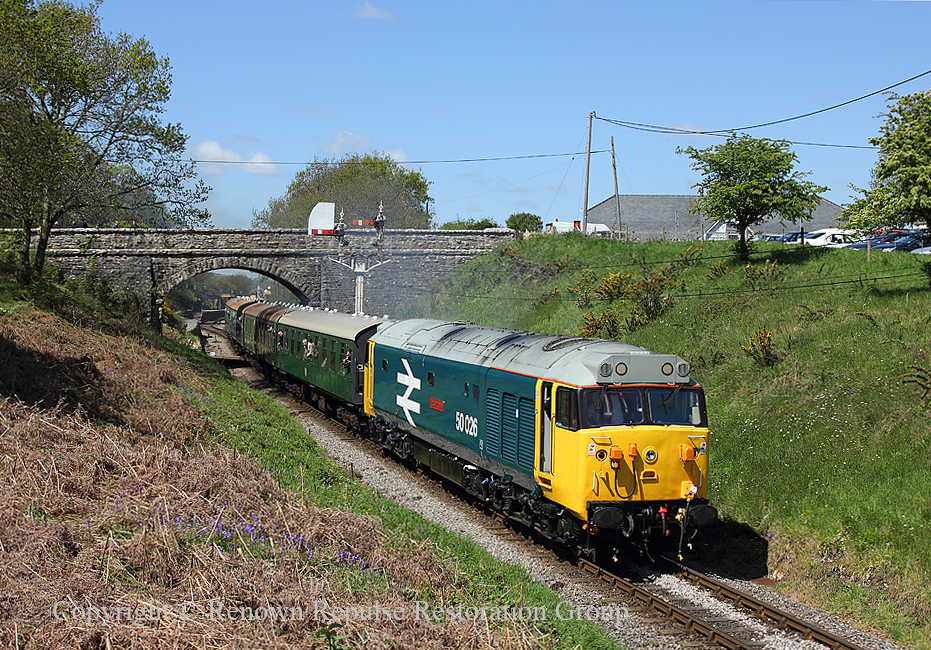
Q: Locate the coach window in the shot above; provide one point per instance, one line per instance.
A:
(430, 379)
(324, 354)
(567, 408)
(333, 355)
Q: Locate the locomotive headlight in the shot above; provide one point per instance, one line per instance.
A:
(683, 369)
(649, 455)
(667, 368)
(621, 368)
(605, 370)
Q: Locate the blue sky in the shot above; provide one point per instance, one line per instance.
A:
(440, 85)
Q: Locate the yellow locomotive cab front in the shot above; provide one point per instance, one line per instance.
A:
(611, 453)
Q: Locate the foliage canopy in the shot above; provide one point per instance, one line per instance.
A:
(522, 221)
(81, 138)
(469, 224)
(900, 188)
(357, 184)
(747, 180)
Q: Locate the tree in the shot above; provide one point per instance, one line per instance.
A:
(80, 133)
(469, 224)
(747, 180)
(357, 184)
(900, 187)
(522, 221)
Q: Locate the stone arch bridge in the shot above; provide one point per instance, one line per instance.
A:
(143, 260)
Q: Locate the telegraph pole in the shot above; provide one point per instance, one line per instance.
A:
(617, 198)
(588, 160)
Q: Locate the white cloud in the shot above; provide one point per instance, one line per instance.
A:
(345, 141)
(217, 160)
(474, 208)
(366, 10)
(397, 155)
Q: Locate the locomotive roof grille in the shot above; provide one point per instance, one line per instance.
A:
(451, 332)
(561, 343)
(508, 339)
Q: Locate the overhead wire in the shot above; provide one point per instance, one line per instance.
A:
(654, 128)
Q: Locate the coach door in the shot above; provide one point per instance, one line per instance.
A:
(545, 460)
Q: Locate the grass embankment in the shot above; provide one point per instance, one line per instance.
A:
(813, 363)
(151, 501)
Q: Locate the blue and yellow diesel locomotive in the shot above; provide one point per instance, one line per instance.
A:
(590, 442)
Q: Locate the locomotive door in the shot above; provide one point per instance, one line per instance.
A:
(546, 428)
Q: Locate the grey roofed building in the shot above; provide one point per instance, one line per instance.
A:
(653, 216)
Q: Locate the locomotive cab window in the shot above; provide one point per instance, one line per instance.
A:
(567, 408)
(612, 407)
(676, 406)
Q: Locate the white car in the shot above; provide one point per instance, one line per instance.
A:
(926, 250)
(833, 238)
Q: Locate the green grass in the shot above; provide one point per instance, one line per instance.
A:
(256, 425)
(823, 437)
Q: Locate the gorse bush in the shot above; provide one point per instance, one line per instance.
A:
(760, 348)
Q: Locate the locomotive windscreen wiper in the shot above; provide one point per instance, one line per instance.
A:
(674, 392)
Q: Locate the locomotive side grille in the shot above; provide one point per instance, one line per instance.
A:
(509, 429)
(493, 430)
(525, 433)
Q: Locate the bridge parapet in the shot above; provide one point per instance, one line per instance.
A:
(140, 259)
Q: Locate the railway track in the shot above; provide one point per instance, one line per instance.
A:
(685, 620)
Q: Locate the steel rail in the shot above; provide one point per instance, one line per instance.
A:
(762, 609)
(668, 610)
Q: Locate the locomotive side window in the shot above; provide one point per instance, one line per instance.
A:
(466, 391)
(430, 379)
(384, 365)
(475, 391)
(567, 408)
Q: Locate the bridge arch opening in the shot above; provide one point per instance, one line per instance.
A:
(266, 280)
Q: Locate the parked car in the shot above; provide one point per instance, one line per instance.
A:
(907, 243)
(924, 250)
(877, 240)
(768, 237)
(832, 238)
(791, 237)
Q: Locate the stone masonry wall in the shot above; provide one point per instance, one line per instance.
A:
(138, 259)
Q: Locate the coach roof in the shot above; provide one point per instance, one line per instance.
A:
(330, 323)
